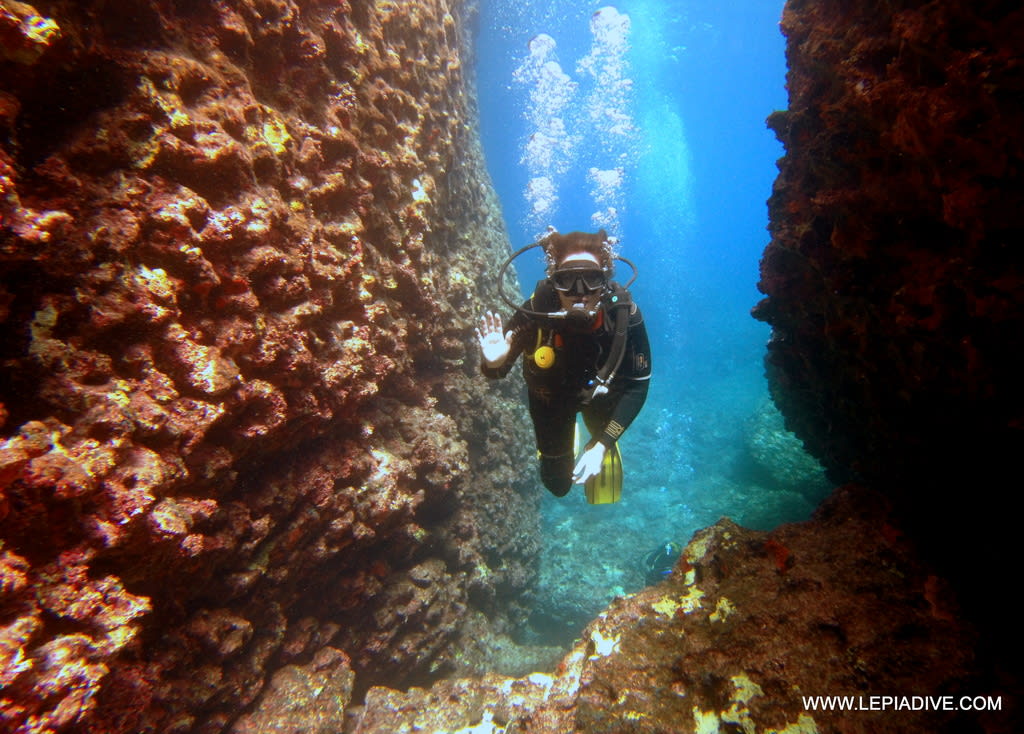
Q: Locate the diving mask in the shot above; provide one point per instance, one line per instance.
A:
(579, 279)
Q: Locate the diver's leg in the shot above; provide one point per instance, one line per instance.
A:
(554, 424)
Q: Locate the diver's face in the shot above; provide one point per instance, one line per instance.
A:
(579, 281)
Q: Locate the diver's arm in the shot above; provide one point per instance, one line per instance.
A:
(626, 410)
(631, 382)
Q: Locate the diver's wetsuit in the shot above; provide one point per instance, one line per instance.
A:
(559, 392)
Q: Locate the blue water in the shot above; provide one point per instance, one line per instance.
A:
(679, 93)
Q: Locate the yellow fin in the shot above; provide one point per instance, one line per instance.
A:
(606, 487)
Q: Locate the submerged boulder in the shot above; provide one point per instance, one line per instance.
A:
(750, 632)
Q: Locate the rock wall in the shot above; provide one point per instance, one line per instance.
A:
(246, 448)
(894, 278)
(894, 274)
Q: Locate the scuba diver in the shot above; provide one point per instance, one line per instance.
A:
(658, 564)
(585, 350)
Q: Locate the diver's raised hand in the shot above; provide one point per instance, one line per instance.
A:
(589, 464)
(494, 344)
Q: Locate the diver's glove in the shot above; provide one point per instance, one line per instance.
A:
(589, 464)
(493, 345)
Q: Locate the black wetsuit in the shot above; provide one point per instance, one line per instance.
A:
(559, 392)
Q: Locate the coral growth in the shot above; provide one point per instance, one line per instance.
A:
(244, 441)
(24, 34)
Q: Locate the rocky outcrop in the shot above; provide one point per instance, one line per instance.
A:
(893, 278)
(746, 634)
(777, 458)
(245, 442)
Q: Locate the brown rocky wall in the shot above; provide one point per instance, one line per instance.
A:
(894, 275)
(246, 452)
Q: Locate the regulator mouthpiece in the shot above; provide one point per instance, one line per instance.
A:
(580, 318)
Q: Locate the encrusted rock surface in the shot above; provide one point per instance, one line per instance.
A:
(245, 446)
(894, 278)
(747, 625)
(894, 274)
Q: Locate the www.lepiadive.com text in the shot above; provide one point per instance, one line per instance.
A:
(902, 703)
